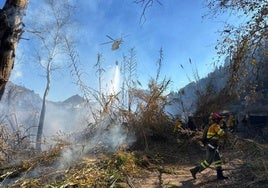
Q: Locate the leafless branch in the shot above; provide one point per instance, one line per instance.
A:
(145, 4)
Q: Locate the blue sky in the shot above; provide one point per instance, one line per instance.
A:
(176, 26)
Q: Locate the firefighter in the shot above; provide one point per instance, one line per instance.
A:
(212, 154)
(232, 123)
(230, 119)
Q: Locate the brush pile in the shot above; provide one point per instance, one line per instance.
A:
(47, 169)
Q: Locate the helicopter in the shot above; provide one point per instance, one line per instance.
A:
(116, 42)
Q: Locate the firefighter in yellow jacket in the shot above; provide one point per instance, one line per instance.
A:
(212, 154)
(231, 120)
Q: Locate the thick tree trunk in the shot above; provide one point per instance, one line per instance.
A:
(10, 33)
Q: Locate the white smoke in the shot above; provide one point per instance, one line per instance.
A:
(107, 136)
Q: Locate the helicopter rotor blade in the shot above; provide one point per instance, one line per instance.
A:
(106, 42)
(110, 37)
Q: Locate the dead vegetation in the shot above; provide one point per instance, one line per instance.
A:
(164, 164)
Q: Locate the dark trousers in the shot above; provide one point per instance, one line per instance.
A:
(212, 155)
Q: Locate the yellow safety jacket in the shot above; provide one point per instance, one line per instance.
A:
(214, 132)
(230, 121)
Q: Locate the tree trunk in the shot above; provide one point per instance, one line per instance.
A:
(41, 124)
(43, 111)
(10, 33)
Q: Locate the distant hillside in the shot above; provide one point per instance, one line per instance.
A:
(75, 99)
(20, 108)
(184, 101)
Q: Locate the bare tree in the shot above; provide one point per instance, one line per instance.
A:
(51, 55)
(11, 29)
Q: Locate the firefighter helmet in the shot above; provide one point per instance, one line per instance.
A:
(216, 117)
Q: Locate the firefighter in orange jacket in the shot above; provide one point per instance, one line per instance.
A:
(212, 154)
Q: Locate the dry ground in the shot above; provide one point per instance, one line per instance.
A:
(178, 175)
(244, 162)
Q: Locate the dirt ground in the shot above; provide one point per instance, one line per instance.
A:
(182, 178)
(175, 171)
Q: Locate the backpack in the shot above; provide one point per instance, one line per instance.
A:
(204, 138)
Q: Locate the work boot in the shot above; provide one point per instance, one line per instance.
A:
(194, 171)
(220, 175)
